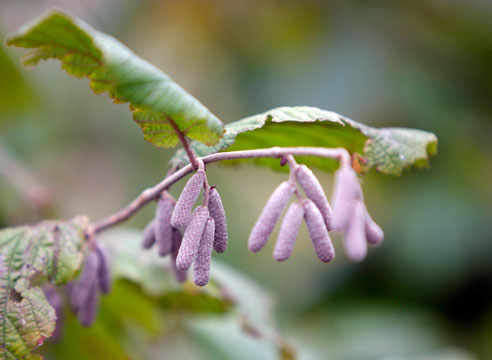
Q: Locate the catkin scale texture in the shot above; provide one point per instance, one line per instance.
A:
(318, 232)
(374, 233)
(314, 191)
(182, 212)
(269, 216)
(217, 212)
(191, 239)
(355, 235)
(346, 191)
(180, 275)
(288, 232)
(162, 225)
(80, 290)
(103, 272)
(201, 267)
(148, 237)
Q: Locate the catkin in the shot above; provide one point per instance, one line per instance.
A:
(80, 290)
(217, 212)
(201, 267)
(374, 233)
(180, 275)
(346, 191)
(162, 224)
(191, 239)
(182, 212)
(269, 216)
(288, 232)
(318, 232)
(315, 192)
(148, 237)
(103, 272)
(355, 235)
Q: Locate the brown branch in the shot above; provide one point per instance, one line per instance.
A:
(152, 193)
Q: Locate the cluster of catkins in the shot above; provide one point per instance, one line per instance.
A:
(204, 229)
(349, 214)
(94, 279)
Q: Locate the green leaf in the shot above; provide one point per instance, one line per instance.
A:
(388, 150)
(154, 98)
(48, 250)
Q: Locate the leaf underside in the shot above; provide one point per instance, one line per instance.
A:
(49, 250)
(154, 98)
(388, 150)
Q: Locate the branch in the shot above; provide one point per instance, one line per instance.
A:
(152, 193)
(184, 142)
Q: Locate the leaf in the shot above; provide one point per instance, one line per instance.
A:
(48, 250)
(388, 150)
(154, 98)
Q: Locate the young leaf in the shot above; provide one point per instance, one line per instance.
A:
(388, 150)
(154, 98)
(28, 254)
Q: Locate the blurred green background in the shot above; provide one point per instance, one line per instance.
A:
(425, 293)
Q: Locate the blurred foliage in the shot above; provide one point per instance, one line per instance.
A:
(425, 293)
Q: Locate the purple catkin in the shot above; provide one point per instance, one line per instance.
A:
(288, 232)
(315, 192)
(374, 233)
(148, 237)
(318, 232)
(182, 212)
(180, 275)
(191, 239)
(162, 224)
(103, 272)
(80, 290)
(201, 267)
(355, 235)
(217, 212)
(346, 192)
(270, 215)
(56, 303)
(88, 310)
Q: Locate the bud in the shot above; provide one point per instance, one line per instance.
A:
(103, 272)
(217, 212)
(288, 232)
(162, 224)
(346, 191)
(182, 212)
(355, 235)
(374, 233)
(318, 232)
(180, 275)
(148, 237)
(201, 267)
(80, 290)
(314, 191)
(269, 216)
(191, 239)
(88, 310)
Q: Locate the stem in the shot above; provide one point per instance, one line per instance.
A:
(152, 193)
(182, 138)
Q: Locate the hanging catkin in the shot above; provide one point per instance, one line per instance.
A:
(374, 233)
(270, 215)
(191, 239)
(87, 279)
(355, 235)
(288, 232)
(346, 191)
(148, 237)
(201, 267)
(162, 224)
(103, 272)
(217, 212)
(318, 232)
(182, 212)
(315, 192)
(180, 275)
